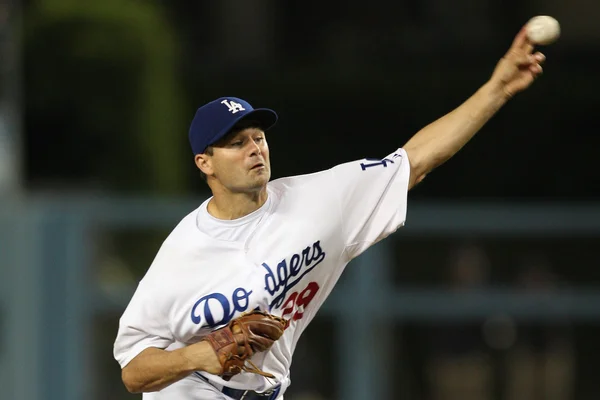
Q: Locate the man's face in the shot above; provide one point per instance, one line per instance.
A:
(240, 161)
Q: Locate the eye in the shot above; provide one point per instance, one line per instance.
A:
(237, 143)
(259, 139)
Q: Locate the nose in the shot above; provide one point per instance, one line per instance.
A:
(255, 149)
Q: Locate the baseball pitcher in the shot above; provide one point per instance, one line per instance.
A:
(220, 310)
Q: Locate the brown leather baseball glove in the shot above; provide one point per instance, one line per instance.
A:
(236, 342)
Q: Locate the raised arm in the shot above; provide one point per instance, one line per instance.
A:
(440, 140)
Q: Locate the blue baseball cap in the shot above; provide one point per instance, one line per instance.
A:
(215, 119)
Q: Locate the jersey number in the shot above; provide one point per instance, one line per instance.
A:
(299, 302)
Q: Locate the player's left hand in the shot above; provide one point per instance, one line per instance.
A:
(234, 344)
(519, 67)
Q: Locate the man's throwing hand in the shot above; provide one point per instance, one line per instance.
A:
(519, 67)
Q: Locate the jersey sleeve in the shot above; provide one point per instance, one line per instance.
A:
(142, 325)
(373, 199)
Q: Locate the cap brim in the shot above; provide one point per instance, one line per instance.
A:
(265, 117)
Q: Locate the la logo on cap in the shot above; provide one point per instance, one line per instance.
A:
(232, 106)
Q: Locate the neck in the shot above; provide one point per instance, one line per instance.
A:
(231, 206)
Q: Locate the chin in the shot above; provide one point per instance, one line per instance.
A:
(257, 180)
(260, 183)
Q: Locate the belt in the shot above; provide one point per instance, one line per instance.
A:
(238, 394)
(241, 394)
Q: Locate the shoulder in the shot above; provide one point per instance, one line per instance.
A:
(185, 227)
(177, 246)
(304, 195)
(299, 181)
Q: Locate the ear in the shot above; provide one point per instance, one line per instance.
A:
(204, 163)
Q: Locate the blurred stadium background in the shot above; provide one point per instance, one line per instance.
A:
(490, 291)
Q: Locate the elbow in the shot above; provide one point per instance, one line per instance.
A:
(131, 384)
(422, 164)
(419, 168)
(419, 165)
(419, 179)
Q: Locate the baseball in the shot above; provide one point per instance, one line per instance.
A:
(543, 30)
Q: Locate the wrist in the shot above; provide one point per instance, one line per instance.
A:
(193, 356)
(201, 357)
(494, 94)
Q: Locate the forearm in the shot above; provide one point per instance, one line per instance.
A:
(154, 369)
(440, 140)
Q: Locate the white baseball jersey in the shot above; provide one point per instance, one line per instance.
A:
(284, 258)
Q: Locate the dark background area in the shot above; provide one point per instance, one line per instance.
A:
(349, 80)
(108, 90)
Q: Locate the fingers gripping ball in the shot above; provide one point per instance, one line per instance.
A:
(236, 342)
(543, 30)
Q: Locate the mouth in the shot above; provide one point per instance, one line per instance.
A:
(258, 165)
